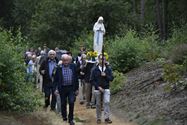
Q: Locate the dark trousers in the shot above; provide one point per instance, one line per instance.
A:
(49, 89)
(67, 94)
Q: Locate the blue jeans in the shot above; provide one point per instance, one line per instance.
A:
(67, 93)
(48, 90)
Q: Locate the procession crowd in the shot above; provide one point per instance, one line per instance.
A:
(61, 77)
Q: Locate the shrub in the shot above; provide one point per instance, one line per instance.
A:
(152, 48)
(15, 94)
(178, 38)
(126, 53)
(118, 82)
(86, 40)
(173, 75)
(179, 53)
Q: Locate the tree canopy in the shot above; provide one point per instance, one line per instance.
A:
(60, 22)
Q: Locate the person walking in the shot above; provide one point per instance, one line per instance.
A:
(67, 86)
(101, 77)
(47, 71)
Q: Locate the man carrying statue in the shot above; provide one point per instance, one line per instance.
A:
(101, 78)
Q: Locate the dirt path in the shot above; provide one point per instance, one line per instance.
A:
(89, 116)
(83, 116)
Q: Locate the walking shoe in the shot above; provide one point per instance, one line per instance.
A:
(87, 105)
(65, 119)
(81, 102)
(93, 106)
(71, 123)
(108, 121)
(52, 110)
(98, 121)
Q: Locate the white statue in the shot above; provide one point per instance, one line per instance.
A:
(99, 31)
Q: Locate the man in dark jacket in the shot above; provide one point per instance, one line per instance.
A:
(67, 86)
(101, 76)
(47, 71)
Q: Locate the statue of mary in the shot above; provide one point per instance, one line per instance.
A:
(99, 31)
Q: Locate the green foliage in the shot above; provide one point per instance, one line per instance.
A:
(126, 53)
(185, 64)
(150, 44)
(177, 38)
(6, 19)
(59, 23)
(84, 40)
(178, 35)
(15, 94)
(22, 13)
(173, 75)
(118, 82)
(179, 53)
(176, 50)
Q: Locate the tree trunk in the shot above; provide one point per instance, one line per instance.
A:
(165, 19)
(134, 7)
(159, 18)
(142, 11)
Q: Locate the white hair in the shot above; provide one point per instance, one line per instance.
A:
(29, 55)
(66, 56)
(42, 52)
(51, 52)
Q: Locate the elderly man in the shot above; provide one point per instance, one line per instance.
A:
(67, 86)
(47, 71)
(101, 76)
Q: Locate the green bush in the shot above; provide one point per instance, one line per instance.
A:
(179, 53)
(177, 38)
(118, 82)
(151, 46)
(173, 76)
(126, 53)
(86, 40)
(172, 73)
(15, 94)
(59, 23)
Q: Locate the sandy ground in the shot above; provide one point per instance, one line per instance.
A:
(83, 116)
(89, 116)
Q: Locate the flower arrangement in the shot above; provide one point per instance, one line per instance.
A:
(92, 54)
(106, 55)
